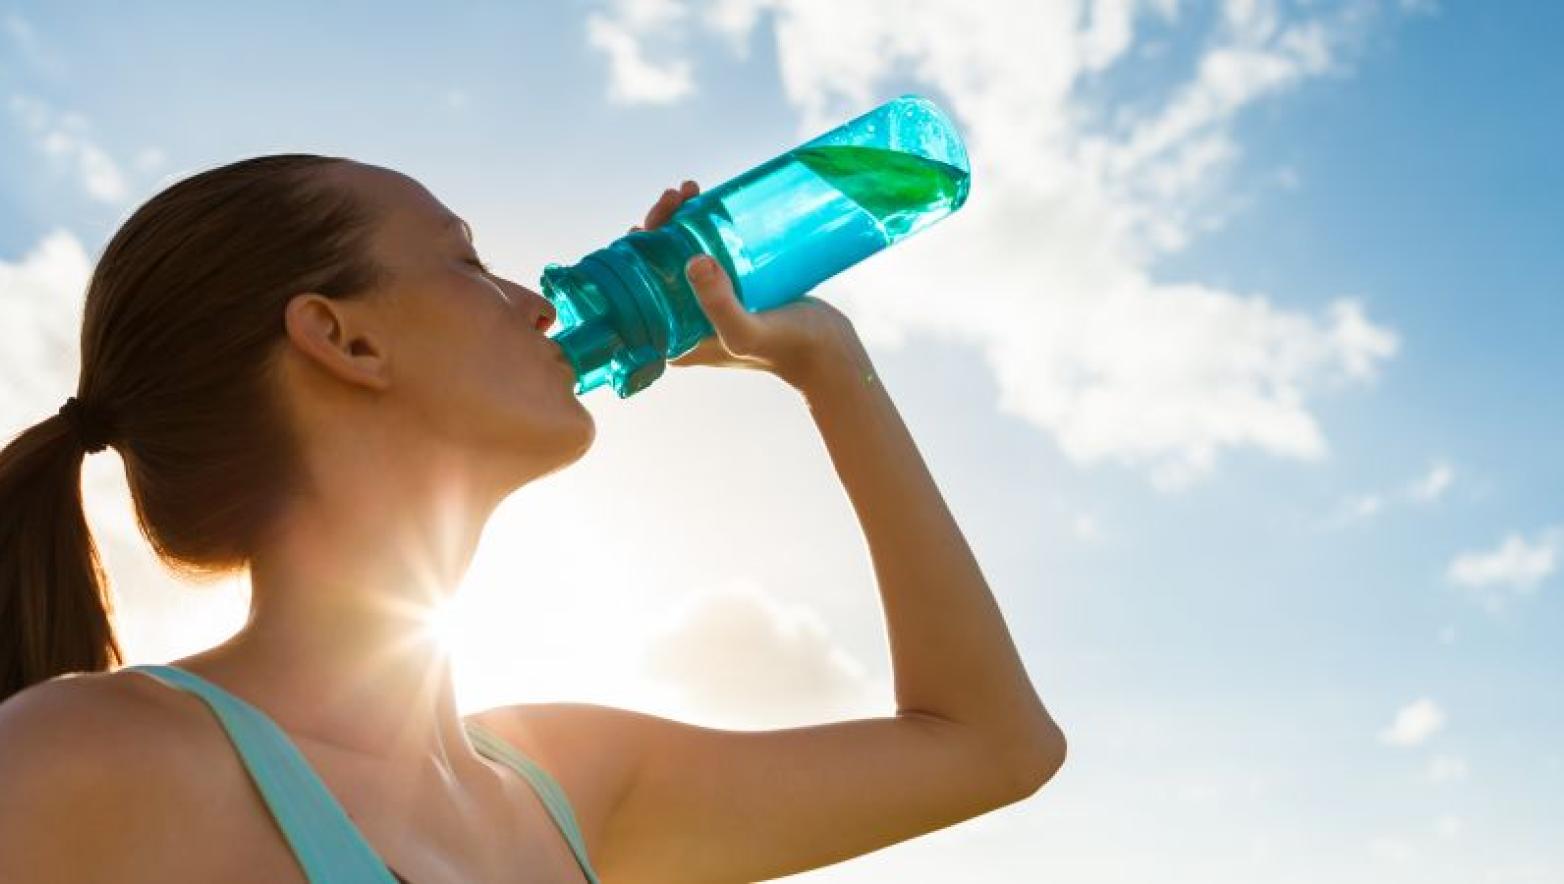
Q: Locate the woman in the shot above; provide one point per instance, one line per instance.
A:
(311, 377)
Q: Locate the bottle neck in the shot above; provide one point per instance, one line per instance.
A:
(614, 331)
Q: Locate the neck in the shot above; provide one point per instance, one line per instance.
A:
(338, 643)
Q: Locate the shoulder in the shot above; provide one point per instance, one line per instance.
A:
(112, 714)
(96, 728)
(584, 743)
(588, 748)
(85, 753)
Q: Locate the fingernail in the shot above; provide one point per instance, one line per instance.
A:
(702, 265)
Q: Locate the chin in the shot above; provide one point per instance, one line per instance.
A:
(572, 442)
(541, 449)
(588, 434)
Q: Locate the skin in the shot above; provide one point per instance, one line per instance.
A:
(420, 408)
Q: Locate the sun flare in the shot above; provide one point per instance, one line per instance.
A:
(444, 624)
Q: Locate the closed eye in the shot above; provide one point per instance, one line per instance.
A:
(478, 263)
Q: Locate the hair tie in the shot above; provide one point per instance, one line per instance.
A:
(90, 430)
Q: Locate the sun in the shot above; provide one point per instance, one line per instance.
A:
(445, 623)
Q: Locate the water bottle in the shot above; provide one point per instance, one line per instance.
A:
(779, 229)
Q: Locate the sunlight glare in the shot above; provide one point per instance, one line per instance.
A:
(445, 623)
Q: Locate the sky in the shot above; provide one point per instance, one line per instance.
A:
(1238, 370)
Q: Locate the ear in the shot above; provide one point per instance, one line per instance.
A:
(339, 337)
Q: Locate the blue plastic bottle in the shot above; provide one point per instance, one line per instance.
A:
(779, 229)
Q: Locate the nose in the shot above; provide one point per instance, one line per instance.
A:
(541, 309)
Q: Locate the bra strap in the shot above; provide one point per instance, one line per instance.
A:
(326, 842)
(547, 788)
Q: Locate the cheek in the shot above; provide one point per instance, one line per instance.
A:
(476, 359)
(458, 352)
(505, 366)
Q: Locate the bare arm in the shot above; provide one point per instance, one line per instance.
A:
(951, 652)
(699, 804)
(676, 802)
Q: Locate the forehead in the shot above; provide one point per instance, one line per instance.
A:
(406, 208)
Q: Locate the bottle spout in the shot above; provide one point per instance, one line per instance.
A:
(613, 334)
(589, 346)
(588, 338)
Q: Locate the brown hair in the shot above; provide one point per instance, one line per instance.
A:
(180, 332)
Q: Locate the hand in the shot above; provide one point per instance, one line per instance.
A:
(804, 342)
(666, 205)
(800, 341)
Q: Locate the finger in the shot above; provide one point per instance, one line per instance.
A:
(689, 188)
(707, 351)
(735, 326)
(662, 210)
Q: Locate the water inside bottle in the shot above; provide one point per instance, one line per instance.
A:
(903, 192)
(789, 224)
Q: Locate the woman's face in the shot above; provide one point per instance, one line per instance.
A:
(470, 361)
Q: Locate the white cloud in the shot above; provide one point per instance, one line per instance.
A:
(1449, 825)
(40, 329)
(18, 29)
(632, 78)
(1514, 568)
(1074, 199)
(1086, 528)
(735, 20)
(150, 159)
(1256, 58)
(1423, 489)
(1364, 506)
(64, 138)
(1414, 724)
(1107, 32)
(20, 33)
(742, 654)
(1354, 509)
(1447, 769)
(1432, 485)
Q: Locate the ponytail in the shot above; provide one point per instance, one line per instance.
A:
(54, 604)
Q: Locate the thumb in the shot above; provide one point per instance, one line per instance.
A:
(735, 326)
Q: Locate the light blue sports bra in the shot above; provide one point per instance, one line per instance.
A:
(328, 845)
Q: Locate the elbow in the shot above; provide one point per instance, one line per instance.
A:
(1043, 757)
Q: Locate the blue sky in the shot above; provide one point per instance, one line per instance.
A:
(1238, 370)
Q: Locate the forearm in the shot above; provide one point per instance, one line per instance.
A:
(951, 652)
